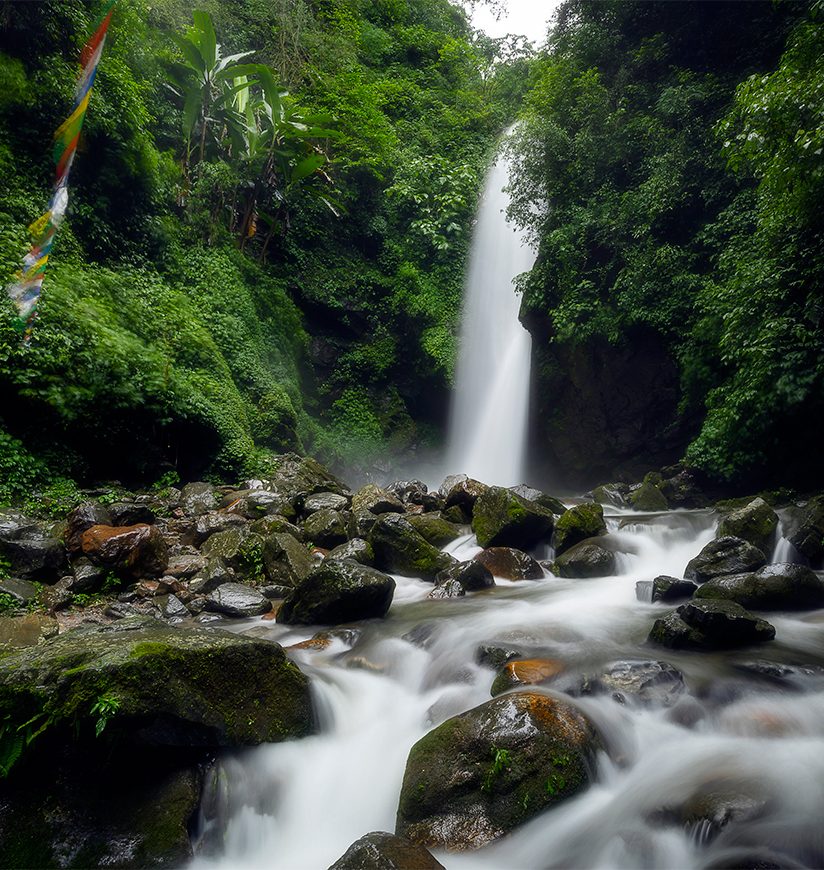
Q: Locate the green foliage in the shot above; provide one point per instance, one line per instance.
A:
(8, 603)
(104, 709)
(501, 761)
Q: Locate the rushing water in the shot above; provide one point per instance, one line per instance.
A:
(301, 804)
(487, 436)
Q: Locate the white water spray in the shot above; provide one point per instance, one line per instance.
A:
(487, 436)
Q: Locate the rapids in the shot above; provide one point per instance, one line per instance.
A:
(301, 804)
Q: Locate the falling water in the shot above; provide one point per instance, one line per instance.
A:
(487, 437)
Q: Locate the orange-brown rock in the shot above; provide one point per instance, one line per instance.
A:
(526, 672)
(510, 564)
(137, 551)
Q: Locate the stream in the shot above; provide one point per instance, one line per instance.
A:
(301, 804)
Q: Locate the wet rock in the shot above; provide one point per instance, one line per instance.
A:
(752, 859)
(806, 529)
(461, 578)
(376, 500)
(614, 494)
(782, 586)
(326, 501)
(580, 522)
(457, 515)
(542, 498)
(647, 682)
(324, 639)
(198, 498)
(481, 774)
(171, 607)
(14, 525)
(584, 560)
(336, 592)
(415, 492)
(175, 686)
(706, 625)
(215, 574)
(285, 561)
(131, 514)
(185, 565)
(400, 549)
(239, 549)
(213, 523)
(21, 591)
(138, 551)
(463, 492)
(356, 550)
(526, 672)
(29, 629)
(648, 498)
(497, 655)
(668, 589)
(682, 490)
(81, 519)
(326, 528)
(791, 677)
(298, 477)
(86, 576)
(503, 519)
(58, 596)
(382, 851)
(510, 564)
(235, 599)
(276, 525)
(36, 556)
(422, 635)
(755, 523)
(725, 555)
(434, 528)
(258, 503)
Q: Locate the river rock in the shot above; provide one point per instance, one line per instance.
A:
(21, 591)
(285, 561)
(706, 625)
(806, 529)
(526, 672)
(215, 574)
(586, 559)
(174, 686)
(35, 556)
(462, 492)
(434, 528)
(497, 654)
(276, 525)
(86, 576)
(356, 550)
(376, 500)
(82, 518)
(336, 592)
(503, 519)
(214, 522)
(471, 576)
(326, 501)
(239, 549)
(480, 774)
(614, 494)
(171, 607)
(725, 555)
(669, 589)
(14, 525)
(783, 586)
(510, 564)
(235, 599)
(755, 523)
(197, 499)
(326, 528)
(401, 549)
(298, 477)
(648, 498)
(137, 551)
(130, 513)
(382, 851)
(449, 588)
(647, 682)
(415, 492)
(681, 489)
(578, 523)
(257, 503)
(26, 630)
(539, 497)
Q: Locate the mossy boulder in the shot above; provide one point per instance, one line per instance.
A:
(336, 592)
(755, 523)
(463, 492)
(503, 519)
(240, 549)
(648, 497)
(173, 686)
(297, 477)
(614, 494)
(382, 851)
(526, 672)
(376, 500)
(774, 587)
(479, 775)
(587, 559)
(510, 564)
(327, 528)
(471, 576)
(434, 528)
(727, 555)
(709, 625)
(285, 561)
(539, 497)
(356, 550)
(400, 549)
(806, 529)
(578, 523)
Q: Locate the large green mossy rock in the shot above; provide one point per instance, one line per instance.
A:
(196, 687)
(577, 524)
(501, 518)
(297, 477)
(648, 497)
(434, 528)
(338, 591)
(479, 775)
(774, 587)
(704, 624)
(755, 523)
(400, 549)
(727, 555)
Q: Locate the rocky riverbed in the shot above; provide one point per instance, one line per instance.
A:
(147, 637)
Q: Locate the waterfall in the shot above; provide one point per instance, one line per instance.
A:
(487, 435)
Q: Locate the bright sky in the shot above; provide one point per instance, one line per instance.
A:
(527, 17)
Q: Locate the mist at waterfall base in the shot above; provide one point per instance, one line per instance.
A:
(301, 804)
(488, 424)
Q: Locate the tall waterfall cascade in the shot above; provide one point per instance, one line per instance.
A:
(488, 425)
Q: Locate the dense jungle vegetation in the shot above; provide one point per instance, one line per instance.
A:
(271, 209)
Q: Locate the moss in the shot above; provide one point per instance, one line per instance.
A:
(577, 524)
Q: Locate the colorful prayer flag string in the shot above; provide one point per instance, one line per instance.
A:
(25, 290)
